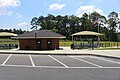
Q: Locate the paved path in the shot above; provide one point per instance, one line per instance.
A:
(67, 50)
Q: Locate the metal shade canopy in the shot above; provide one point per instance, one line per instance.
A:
(87, 33)
(7, 34)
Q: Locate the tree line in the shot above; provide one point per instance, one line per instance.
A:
(67, 25)
(16, 31)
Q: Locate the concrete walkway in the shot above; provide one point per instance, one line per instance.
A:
(68, 51)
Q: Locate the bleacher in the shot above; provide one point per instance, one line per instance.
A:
(83, 46)
(8, 46)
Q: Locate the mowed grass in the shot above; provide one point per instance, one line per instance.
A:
(65, 43)
(105, 45)
(102, 43)
(8, 41)
(108, 48)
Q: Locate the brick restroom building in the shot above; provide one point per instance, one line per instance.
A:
(39, 40)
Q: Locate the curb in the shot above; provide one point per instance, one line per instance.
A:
(73, 54)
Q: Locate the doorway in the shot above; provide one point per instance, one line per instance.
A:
(49, 44)
(38, 44)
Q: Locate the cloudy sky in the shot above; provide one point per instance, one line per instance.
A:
(18, 13)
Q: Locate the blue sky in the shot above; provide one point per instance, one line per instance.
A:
(18, 13)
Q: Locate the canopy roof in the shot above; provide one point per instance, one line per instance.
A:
(7, 34)
(87, 33)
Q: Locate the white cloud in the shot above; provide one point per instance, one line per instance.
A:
(87, 9)
(18, 15)
(4, 4)
(56, 6)
(98, 10)
(8, 3)
(23, 24)
(5, 12)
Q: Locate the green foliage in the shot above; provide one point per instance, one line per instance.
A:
(16, 31)
(67, 25)
(112, 22)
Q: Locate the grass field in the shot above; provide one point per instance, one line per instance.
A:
(106, 45)
(8, 41)
(65, 43)
(108, 49)
(102, 43)
(8, 44)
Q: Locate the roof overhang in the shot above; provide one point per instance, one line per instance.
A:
(37, 37)
(87, 33)
(7, 34)
(38, 34)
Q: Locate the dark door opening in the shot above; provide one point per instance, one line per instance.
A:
(38, 44)
(49, 44)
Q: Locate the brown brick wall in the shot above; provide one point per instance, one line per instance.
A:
(27, 44)
(30, 44)
(55, 43)
(43, 44)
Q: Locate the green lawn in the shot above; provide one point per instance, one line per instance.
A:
(102, 43)
(108, 49)
(65, 43)
(8, 41)
(8, 44)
